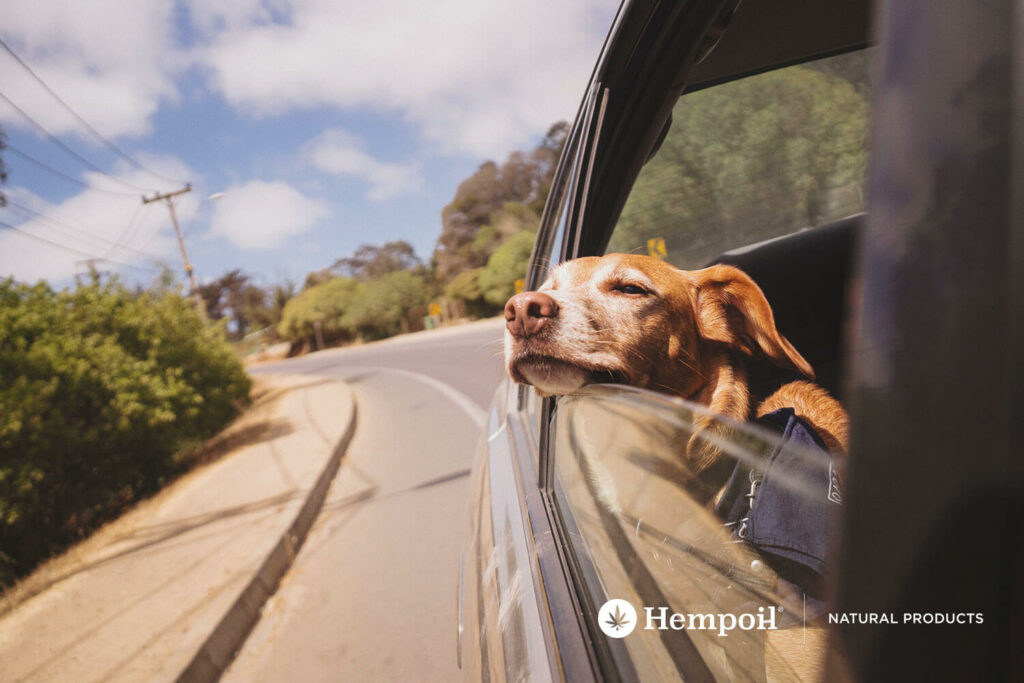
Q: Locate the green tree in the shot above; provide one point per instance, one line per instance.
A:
(506, 265)
(466, 287)
(325, 303)
(748, 160)
(379, 309)
(485, 200)
(370, 262)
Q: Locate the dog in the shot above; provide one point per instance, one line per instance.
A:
(637, 320)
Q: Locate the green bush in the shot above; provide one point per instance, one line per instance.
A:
(466, 287)
(379, 308)
(326, 303)
(507, 264)
(347, 308)
(102, 392)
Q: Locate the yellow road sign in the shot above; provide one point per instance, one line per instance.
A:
(434, 308)
(520, 283)
(656, 247)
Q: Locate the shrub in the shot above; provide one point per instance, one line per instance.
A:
(506, 265)
(379, 308)
(466, 288)
(102, 392)
(326, 303)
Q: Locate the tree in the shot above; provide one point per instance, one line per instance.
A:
(370, 262)
(506, 265)
(326, 304)
(278, 297)
(748, 160)
(486, 198)
(234, 298)
(380, 306)
(466, 288)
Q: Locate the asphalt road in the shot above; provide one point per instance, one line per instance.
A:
(371, 595)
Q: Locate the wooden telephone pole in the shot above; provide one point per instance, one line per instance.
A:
(167, 197)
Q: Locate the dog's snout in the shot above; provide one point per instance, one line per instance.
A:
(527, 313)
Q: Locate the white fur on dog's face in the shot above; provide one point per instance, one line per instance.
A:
(619, 320)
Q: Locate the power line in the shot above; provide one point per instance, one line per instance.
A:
(117, 150)
(59, 174)
(101, 242)
(129, 230)
(40, 238)
(60, 143)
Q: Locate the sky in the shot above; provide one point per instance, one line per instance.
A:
(304, 128)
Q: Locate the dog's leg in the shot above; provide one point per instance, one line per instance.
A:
(725, 394)
(817, 407)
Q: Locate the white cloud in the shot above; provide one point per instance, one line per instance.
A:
(113, 62)
(476, 77)
(262, 215)
(341, 153)
(119, 229)
(211, 16)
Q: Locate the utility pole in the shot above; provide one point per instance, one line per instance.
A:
(167, 197)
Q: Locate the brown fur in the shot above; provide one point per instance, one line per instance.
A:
(818, 408)
(687, 335)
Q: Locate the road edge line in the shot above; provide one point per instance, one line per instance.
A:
(229, 635)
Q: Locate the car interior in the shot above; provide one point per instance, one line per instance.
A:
(806, 278)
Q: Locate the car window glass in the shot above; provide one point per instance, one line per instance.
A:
(648, 529)
(753, 159)
(547, 254)
(556, 216)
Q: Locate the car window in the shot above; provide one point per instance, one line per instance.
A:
(753, 159)
(647, 529)
(547, 252)
(742, 162)
(554, 222)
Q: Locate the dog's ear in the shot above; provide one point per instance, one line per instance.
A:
(732, 310)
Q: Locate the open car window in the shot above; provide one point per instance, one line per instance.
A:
(738, 552)
(742, 163)
(753, 159)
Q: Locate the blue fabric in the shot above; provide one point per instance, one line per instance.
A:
(782, 507)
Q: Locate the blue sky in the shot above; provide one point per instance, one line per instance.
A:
(325, 124)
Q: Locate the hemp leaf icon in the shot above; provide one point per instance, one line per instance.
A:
(617, 620)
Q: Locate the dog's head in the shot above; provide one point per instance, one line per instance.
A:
(637, 320)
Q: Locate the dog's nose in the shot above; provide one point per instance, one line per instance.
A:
(527, 313)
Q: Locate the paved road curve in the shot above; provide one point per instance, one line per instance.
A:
(371, 595)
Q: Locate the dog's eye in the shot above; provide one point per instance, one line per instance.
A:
(630, 289)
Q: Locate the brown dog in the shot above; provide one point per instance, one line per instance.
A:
(637, 320)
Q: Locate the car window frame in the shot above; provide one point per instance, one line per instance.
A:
(575, 647)
(590, 225)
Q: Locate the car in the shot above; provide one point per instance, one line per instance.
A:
(861, 161)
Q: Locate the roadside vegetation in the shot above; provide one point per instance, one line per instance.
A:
(806, 125)
(105, 395)
(106, 392)
(487, 234)
(753, 159)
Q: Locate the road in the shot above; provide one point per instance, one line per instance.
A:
(371, 595)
